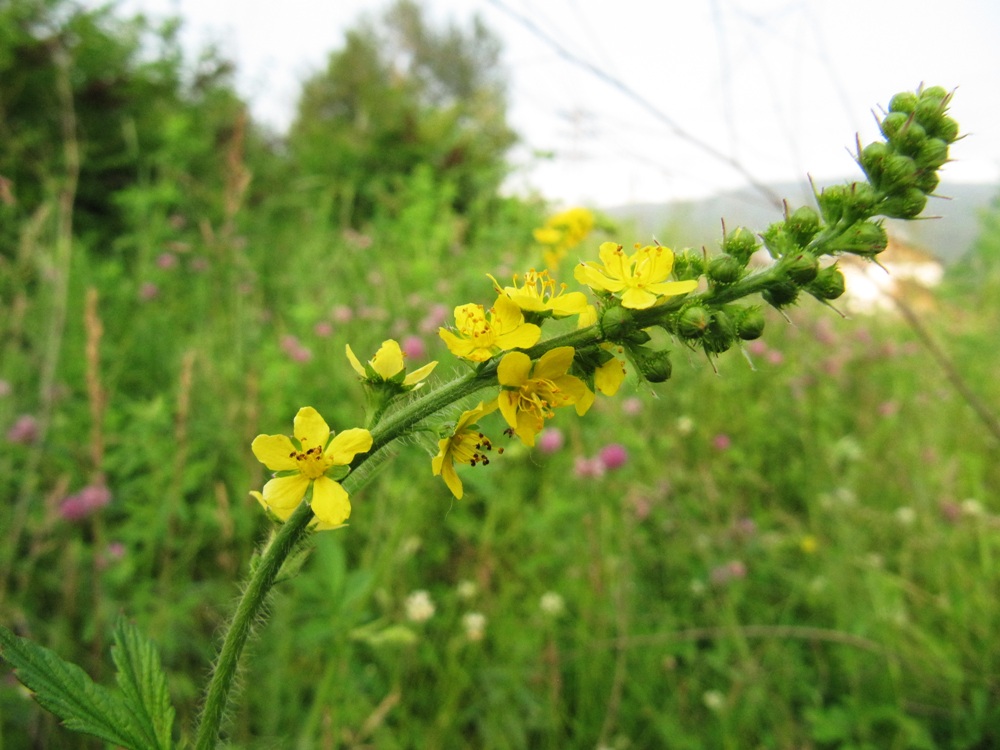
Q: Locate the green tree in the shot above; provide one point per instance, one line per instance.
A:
(141, 118)
(399, 94)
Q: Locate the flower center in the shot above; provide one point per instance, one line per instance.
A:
(476, 327)
(471, 448)
(312, 462)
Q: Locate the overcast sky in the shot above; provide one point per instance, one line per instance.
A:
(777, 88)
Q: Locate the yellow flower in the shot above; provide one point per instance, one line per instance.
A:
(479, 339)
(609, 377)
(562, 232)
(538, 294)
(530, 391)
(304, 461)
(387, 365)
(466, 445)
(641, 277)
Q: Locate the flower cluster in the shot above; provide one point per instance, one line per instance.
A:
(563, 232)
(698, 301)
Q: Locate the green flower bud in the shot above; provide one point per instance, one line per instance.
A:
(872, 159)
(741, 244)
(781, 294)
(652, 365)
(749, 322)
(688, 265)
(932, 155)
(721, 333)
(803, 225)
(832, 201)
(725, 269)
(800, 267)
(930, 113)
(636, 338)
(617, 323)
(865, 238)
(946, 129)
(934, 92)
(828, 284)
(927, 182)
(778, 241)
(892, 123)
(910, 139)
(693, 322)
(899, 172)
(905, 101)
(906, 205)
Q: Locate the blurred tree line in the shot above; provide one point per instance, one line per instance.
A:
(157, 134)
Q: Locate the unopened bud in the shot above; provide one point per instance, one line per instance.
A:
(872, 159)
(946, 129)
(721, 333)
(801, 267)
(898, 172)
(781, 294)
(910, 138)
(906, 205)
(654, 366)
(828, 284)
(905, 101)
(865, 238)
(803, 225)
(892, 123)
(725, 269)
(688, 265)
(927, 182)
(693, 322)
(617, 323)
(778, 241)
(749, 322)
(741, 244)
(933, 153)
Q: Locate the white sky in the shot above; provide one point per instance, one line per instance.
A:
(781, 86)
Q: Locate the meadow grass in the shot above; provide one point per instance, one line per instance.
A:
(802, 553)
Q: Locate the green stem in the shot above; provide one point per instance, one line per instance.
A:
(247, 615)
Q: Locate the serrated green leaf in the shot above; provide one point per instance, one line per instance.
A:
(65, 690)
(143, 684)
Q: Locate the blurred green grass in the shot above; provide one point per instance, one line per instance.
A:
(798, 555)
(803, 553)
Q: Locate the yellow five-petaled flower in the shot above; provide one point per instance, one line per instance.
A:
(479, 338)
(530, 391)
(303, 461)
(641, 277)
(466, 445)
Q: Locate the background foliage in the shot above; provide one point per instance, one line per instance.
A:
(804, 554)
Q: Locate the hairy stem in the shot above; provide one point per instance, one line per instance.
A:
(248, 612)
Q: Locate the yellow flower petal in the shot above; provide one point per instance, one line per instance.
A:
(609, 376)
(345, 445)
(310, 429)
(285, 493)
(420, 374)
(553, 363)
(637, 299)
(355, 363)
(513, 369)
(330, 502)
(276, 452)
(524, 336)
(507, 402)
(388, 360)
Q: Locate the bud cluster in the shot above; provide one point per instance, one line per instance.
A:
(903, 169)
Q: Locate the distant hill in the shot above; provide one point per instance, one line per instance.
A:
(696, 223)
